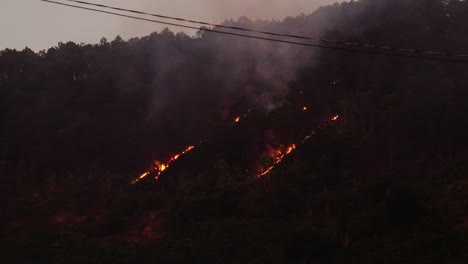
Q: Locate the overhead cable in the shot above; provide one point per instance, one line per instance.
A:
(357, 48)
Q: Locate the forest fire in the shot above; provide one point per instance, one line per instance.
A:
(280, 154)
(277, 156)
(144, 148)
(160, 167)
(238, 119)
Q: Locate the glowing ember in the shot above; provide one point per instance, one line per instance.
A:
(248, 111)
(140, 177)
(160, 167)
(279, 155)
(238, 119)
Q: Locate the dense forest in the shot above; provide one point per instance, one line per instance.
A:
(386, 182)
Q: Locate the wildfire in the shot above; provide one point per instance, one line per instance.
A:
(238, 119)
(276, 155)
(141, 177)
(279, 155)
(160, 167)
(308, 136)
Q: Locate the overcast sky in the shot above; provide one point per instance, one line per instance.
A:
(40, 25)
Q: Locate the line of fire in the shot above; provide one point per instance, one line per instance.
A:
(272, 156)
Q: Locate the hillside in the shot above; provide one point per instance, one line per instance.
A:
(300, 155)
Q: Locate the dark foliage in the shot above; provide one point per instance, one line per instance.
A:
(386, 183)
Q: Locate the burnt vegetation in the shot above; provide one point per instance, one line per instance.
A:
(386, 183)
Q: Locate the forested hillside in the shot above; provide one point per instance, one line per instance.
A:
(378, 172)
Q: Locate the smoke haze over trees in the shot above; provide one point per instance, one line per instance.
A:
(71, 99)
(39, 25)
(385, 183)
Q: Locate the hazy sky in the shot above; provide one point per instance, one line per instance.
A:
(40, 25)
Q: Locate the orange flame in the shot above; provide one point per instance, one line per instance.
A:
(161, 167)
(140, 177)
(279, 155)
(239, 118)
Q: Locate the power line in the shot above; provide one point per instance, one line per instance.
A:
(355, 44)
(444, 56)
(328, 41)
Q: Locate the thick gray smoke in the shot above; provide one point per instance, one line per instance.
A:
(238, 67)
(227, 74)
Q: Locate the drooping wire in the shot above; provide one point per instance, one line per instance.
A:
(386, 51)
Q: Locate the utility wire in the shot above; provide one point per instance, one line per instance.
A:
(380, 50)
(274, 33)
